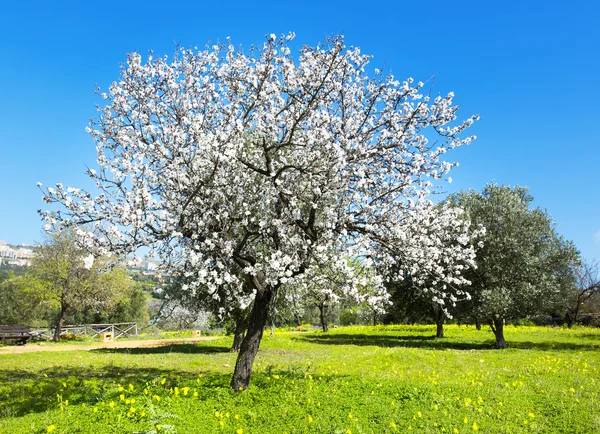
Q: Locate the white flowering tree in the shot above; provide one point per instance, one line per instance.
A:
(249, 169)
(445, 243)
(325, 286)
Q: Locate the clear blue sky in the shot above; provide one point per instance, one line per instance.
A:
(530, 69)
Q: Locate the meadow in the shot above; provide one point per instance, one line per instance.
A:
(384, 379)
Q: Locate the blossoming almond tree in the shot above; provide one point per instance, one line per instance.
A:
(251, 169)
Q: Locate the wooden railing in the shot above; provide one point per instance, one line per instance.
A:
(125, 329)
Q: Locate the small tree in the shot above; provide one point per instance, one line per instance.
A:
(523, 261)
(446, 229)
(251, 169)
(73, 279)
(587, 285)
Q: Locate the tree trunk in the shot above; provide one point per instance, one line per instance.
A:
(374, 318)
(251, 342)
(439, 332)
(298, 320)
(440, 318)
(478, 324)
(60, 323)
(497, 325)
(323, 314)
(571, 317)
(241, 324)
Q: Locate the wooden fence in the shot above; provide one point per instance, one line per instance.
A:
(125, 329)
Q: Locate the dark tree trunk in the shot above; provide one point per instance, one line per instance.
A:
(298, 320)
(324, 314)
(478, 324)
(251, 342)
(241, 324)
(60, 323)
(439, 332)
(497, 325)
(374, 318)
(570, 318)
(440, 318)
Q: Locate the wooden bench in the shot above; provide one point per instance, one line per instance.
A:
(21, 334)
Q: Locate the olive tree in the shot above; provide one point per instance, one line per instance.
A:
(522, 263)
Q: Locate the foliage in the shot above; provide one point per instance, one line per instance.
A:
(75, 281)
(131, 306)
(7, 271)
(523, 261)
(24, 300)
(524, 264)
(584, 292)
(361, 379)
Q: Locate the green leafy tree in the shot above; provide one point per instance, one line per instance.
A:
(131, 306)
(73, 279)
(23, 300)
(523, 264)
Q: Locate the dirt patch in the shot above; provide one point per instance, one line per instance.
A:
(32, 348)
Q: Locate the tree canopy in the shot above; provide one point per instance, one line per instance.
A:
(523, 262)
(252, 170)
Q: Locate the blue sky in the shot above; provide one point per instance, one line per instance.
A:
(530, 69)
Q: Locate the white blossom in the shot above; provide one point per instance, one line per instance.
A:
(258, 166)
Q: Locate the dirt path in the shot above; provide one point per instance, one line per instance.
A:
(31, 348)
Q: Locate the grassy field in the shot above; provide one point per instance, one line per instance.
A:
(350, 380)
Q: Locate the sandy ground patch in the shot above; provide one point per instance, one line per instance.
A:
(35, 347)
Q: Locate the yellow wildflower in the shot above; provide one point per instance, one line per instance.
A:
(50, 428)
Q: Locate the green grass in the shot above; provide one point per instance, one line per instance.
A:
(353, 379)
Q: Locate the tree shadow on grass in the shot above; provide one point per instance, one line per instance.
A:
(166, 349)
(24, 391)
(430, 342)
